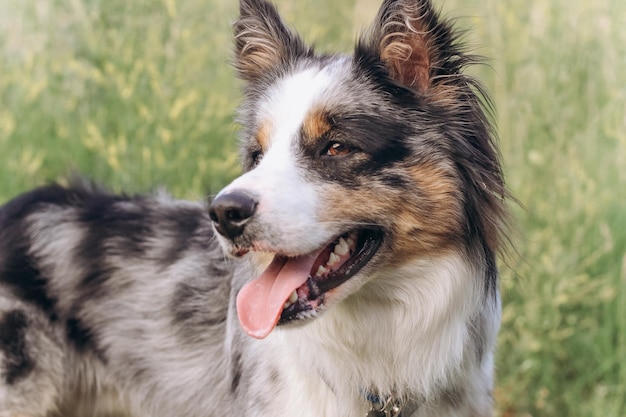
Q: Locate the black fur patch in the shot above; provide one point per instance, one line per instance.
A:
(491, 279)
(17, 361)
(51, 195)
(83, 339)
(17, 268)
(189, 305)
(79, 335)
(104, 220)
(378, 142)
(236, 371)
(380, 136)
(184, 224)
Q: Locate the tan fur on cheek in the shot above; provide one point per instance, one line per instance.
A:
(441, 189)
(345, 209)
(430, 221)
(424, 221)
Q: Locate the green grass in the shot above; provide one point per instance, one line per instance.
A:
(139, 94)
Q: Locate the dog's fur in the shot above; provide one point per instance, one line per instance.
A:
(129, 302)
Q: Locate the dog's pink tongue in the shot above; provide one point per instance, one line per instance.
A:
(260, 302)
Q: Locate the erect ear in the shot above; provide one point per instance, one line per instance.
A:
(412, 42)
(262, 41)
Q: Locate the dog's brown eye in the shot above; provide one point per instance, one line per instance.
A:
(337, 149)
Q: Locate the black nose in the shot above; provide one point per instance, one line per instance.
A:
(231, 211)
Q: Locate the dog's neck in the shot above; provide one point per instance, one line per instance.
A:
(398, 333)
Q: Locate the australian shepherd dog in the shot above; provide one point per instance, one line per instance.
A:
(350, 271)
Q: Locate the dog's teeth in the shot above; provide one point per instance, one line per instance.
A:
(286, 305)
(342, 248)
(321, 271)
(307, 314)
(293, 297)
(333, 259)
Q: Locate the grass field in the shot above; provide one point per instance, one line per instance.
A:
(138, 94)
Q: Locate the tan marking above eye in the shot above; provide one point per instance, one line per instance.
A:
(316, 124)
(264, 134)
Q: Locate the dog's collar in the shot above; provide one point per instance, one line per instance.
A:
(390, 406)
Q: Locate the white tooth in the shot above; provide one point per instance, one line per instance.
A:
(287, 304)
(342, 247)
(321, 271)
(349, 242)
(293, 297)
(307, 314)
(333, 259)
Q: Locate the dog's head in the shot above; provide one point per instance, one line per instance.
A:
(353, 164)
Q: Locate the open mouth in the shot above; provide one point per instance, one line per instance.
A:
(295, 288)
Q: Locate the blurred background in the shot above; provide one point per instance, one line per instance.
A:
(139, 94)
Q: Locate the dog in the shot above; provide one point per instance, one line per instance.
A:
(349, 271)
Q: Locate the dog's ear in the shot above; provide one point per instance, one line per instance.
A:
(413, 43)
(262, 41)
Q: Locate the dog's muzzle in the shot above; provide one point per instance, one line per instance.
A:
(231, 211)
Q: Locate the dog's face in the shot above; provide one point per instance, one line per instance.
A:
(353, 164)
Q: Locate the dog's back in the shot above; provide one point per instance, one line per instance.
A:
(103, 295)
